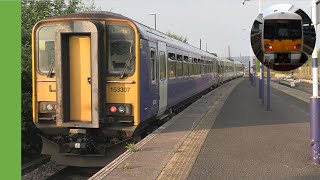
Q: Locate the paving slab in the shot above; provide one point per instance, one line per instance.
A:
(248, 142)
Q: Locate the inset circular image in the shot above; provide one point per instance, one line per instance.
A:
(283, 37)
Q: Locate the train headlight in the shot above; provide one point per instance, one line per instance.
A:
(47, 107)
(121, 109)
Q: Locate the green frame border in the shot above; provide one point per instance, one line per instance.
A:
(10, 91)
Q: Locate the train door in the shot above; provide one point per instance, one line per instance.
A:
(77, 72)
(80, 72)
(163, 79)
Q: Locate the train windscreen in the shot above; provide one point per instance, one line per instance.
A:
(282, 29)
(121, 49)
(46, 49)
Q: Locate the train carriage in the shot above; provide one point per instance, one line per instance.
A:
(100, 77)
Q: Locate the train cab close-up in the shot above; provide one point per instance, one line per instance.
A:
(282, 38)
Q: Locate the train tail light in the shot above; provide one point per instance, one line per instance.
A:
(268, 46)
(297, 47)
(113, 109)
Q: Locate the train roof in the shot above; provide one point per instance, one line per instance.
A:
(145, 31)
(282, 15)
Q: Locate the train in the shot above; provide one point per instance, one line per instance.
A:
(100, 78)
(282, 39)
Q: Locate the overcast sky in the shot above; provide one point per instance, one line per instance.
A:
(217, 23)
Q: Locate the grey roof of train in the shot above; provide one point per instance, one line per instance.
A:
(145, 31)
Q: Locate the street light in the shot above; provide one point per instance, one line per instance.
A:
(155, 20)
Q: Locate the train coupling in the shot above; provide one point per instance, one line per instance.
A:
(81, 142)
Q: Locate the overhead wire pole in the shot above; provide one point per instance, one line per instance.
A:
(261, 81)
(251, 76)
(155, 20)
(315, 99)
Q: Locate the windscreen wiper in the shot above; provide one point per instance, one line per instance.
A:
(125, 68)
(51, 69)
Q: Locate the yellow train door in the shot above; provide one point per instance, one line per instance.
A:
(80, 78)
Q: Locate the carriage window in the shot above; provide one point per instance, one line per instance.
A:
(190, 66)
(46, 49)
(185, 66)
(152, 65)
(171, 65)
(179, 66)
(202, 67)
(121, 49)
(163, 69)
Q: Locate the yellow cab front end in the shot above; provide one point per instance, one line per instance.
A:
(284, 45)
(85, 83)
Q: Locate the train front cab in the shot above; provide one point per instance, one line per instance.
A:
(282, 41)
(85, 83)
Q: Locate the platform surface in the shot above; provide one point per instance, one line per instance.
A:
(248, 142)
(228, 134)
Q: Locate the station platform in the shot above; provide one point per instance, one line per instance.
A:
(227, 134)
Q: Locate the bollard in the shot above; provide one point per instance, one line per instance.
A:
(268, 89)
(262, 84)
(315, 99)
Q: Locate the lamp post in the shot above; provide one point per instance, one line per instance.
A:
(155, 20)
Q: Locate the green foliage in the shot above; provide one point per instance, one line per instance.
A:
(178, 37)
(131, 147)
(31, 12)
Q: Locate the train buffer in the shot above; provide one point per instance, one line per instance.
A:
(227, 134)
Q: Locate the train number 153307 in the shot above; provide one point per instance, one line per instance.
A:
(120, 89)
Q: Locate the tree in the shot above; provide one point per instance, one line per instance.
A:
(31, 12)
(178, 37)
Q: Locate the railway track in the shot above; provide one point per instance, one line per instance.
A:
(73, 173)
(35, 163)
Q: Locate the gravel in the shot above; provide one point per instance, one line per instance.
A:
(43, 171)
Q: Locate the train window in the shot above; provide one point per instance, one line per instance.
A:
(172, 65)
(153, 65)
(199, 66)
(179, 66)
(121, 49)
(185, 66)
(172, 56)
(202, 67)
(46, 49)
(190, 66)
(195, 71)
(282, 29)
(163, 69)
